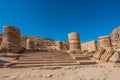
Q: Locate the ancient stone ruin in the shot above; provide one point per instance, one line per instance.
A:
(58, 45)
(74, 42)
(11, 39)
(29, 44)
(115, 38)
(89, 46)
(66, 53)
(105, 51)
(105, 42)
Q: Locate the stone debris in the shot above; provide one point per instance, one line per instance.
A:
(98, 53)
(106, 56)
(48, 76)
(106, 51)
(115, 57)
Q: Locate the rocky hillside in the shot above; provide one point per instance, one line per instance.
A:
(115, 37)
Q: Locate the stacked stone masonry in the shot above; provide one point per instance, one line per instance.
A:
(74, 41)
(11, 39)
(105, 42)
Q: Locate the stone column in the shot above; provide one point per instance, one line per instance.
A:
(11, 39)
(58, 45)
(74, 42)
(105, 42)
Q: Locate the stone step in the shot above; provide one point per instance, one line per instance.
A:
(40, 58)
(42, 62)
(40, 65)
(79, 57)
(53, 63)
(86, 62)
(44, 57)
(46, 60)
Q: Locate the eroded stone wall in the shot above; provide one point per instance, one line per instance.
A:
(89, 46)
(40, 44)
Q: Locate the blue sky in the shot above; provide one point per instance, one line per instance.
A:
(56, 18)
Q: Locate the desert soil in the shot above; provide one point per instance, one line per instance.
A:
(102, 71)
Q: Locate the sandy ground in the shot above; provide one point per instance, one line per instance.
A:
(104, 71)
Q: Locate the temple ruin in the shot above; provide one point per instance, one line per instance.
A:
(39, 48)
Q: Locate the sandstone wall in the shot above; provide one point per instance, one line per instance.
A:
(89, 46)
(41, 44)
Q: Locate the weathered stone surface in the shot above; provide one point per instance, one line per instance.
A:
(105, 42)
(0, 38)
(99, 53)
(115, 57)
(107, 55)
(74, 41)
(115, 38)
(11, 39)
(89, 46)
(58, 45)
(29, 44)
(65, 45)
(115, 35)
(34, 42)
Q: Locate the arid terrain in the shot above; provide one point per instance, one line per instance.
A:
(54, 71)
(104, 71)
